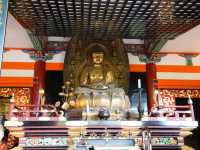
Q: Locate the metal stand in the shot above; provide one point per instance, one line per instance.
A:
(146, 138)
(140, 107)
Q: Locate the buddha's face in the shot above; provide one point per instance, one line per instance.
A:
(97, 57)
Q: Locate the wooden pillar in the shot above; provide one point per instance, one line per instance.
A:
(150, 82)
(39, 80)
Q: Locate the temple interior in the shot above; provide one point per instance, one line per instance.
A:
(99, 74)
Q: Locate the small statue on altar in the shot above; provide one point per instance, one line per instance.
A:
(59, 108)
(97, 75)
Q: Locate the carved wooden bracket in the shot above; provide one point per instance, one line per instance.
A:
(153, 58)
(188, 58)
(41, 55)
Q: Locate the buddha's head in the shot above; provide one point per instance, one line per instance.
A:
(97, 57)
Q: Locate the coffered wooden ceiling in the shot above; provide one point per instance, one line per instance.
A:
(136, 19)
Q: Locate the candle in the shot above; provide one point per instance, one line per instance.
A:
(1, 132)
(139, 83)
(87, 108)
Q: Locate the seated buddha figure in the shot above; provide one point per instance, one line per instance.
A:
(98, 87)
(97, 75)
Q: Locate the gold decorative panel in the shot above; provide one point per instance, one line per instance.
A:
(168, 96)
(22, 96)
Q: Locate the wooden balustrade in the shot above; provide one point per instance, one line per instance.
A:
(172, 112)
(33, 112)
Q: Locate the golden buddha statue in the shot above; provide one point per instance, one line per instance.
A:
(97, 75)
(98, 86)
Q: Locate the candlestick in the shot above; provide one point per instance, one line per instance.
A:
(87, 109)
(1, 132)
(139, 83)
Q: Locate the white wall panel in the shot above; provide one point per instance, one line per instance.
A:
(172, 59)
(16, 56)
(58, 57)
(134, 59)
(16, 73)
(179, 76)
(187, 42)
(196, 60)
(16, 35)
(133, 41)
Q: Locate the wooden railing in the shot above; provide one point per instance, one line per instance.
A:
(33, 113)
(172, 112)
(49, 112)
